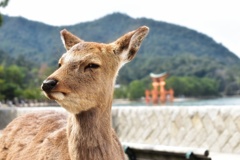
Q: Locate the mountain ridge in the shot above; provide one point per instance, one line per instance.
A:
(169, 47)
(164, 38)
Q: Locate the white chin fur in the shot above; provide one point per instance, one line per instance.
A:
(58, 95)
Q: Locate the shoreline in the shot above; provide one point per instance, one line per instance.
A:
(226, 100)
(222, 101)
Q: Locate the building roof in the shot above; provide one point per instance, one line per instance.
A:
(164, 74)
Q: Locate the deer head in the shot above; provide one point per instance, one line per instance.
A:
(87, 71)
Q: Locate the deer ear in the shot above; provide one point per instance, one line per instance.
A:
(128, 45)
(69, 39)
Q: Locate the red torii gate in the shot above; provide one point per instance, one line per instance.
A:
(159, 92)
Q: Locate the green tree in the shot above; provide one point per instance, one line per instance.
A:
(193, 86)
(11, 81)
(136, 90)
(232, 89)
(1, 82)
(3, 3)
(209, 87)
(1, 88)
(10, 90)
(15, 74)
(120, 92)
(32, 93)
(17, 81)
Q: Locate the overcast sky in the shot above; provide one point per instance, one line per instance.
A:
(219, 19)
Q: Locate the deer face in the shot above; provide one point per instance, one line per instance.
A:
(87, 71)
(84, 78)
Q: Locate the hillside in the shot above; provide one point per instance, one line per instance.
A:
(176, 49)
(40, 41)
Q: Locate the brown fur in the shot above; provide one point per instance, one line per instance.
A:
(85, 85)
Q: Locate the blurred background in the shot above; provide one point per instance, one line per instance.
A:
(195, 42)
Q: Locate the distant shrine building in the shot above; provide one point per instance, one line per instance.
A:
(159, 94)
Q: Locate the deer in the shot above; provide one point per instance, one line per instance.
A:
(83, 85)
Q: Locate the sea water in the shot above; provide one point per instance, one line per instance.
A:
(223, 101)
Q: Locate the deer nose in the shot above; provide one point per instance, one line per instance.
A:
(49, 84)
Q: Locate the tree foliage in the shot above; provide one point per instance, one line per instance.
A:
(164, 39)
(18, 79)
(136, 89)
(3, 3)
(15, 84)
(193, 86)
(182, 86)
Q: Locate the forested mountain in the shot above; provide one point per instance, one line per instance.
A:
(176, 49)
(40, 41)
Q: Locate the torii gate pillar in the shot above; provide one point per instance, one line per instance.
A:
(159, 92)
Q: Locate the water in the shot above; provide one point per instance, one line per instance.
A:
(225, 101)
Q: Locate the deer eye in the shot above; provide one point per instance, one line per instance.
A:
(91, 66)
(59, 65)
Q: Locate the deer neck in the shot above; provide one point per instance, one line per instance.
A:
(90, 134)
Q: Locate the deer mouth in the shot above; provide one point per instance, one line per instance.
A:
(56, 95)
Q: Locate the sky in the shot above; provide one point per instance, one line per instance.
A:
(219, 19)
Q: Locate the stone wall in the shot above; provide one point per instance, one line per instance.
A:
(213, 128)
(6, 115)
